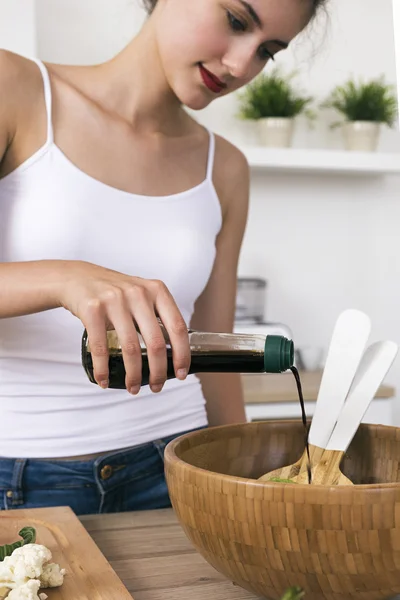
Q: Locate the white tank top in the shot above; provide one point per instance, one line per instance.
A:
(50, 209)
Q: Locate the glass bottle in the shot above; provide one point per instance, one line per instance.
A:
(210, 353)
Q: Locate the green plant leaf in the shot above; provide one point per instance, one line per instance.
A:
(272, 95)
(372, 101)
(280, 480)
(293, 593)
(28, 535)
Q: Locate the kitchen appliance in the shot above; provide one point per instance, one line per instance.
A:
(250, 299)
(250, 309)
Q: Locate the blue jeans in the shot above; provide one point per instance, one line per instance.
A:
(130, 479)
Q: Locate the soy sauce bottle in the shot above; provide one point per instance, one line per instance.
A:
(210, 353)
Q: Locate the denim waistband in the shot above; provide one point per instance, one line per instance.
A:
(104, 472)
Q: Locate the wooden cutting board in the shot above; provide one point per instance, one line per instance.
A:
(89, 575)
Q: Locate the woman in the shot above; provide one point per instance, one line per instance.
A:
(116, 208)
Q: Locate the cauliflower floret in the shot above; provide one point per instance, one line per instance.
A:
(7, 580)
(52, 576)
(6, 571)
(27, 562)
(26, 591)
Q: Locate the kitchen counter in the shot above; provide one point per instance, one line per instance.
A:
(274, 396)
(270, 387)
(154, 559)
(152, 556)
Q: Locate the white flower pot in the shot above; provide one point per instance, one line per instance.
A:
(276, 132)
(361, 136)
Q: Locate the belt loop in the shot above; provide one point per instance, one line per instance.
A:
(159, 445)
(15, 496)
(96, 463)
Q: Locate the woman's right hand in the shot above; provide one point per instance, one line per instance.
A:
(101, 298)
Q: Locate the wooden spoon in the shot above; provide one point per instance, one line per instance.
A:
(375, 364)
(347, 345)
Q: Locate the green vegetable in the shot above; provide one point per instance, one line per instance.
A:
(279, 480)
(28, 535)
(293, 593)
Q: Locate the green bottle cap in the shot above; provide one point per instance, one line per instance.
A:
(278, 354)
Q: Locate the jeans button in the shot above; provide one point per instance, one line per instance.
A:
(106, 472)
(9, 494)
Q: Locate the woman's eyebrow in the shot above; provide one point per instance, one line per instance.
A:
(252, 13)
(259, 23)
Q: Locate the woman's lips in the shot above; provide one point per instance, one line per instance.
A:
(211, 81)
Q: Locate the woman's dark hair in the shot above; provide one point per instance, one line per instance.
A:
(151, 4)
(316, 5)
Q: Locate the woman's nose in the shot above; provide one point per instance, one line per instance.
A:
(239, 61)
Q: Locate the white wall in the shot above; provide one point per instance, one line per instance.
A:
(18, 26)
(396, 20)
(85, 31)
(324, 242)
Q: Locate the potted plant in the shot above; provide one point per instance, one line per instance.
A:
(365, 107)
(273, 103)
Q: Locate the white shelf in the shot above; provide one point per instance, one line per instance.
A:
(323, 161)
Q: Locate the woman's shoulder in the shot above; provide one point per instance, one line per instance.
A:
(11, 64)
(229, 157)
(230, 172)
(231, 177)
(21, 88)
(21, 106)
(19, 74)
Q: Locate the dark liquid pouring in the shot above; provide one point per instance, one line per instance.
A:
(304, 418)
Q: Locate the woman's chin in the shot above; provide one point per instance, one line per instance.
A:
(196, 101)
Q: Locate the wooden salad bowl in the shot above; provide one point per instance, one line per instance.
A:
(338, 542)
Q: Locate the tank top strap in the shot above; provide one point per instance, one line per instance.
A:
(211, 153)
(47, 98)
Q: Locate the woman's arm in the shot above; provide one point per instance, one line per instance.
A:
(97, 296)
(215, 308)
(100, 297)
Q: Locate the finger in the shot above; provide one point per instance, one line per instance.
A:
(177, 330)
(143, 312)
(94, 323)
(120, 316)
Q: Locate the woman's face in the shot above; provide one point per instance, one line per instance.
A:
(209, 48)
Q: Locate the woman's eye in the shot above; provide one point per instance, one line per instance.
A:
(235, 24)
(265, 54)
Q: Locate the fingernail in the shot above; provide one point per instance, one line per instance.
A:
(104, 384)
(156, 388)
(135, 389)
(181, 374)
